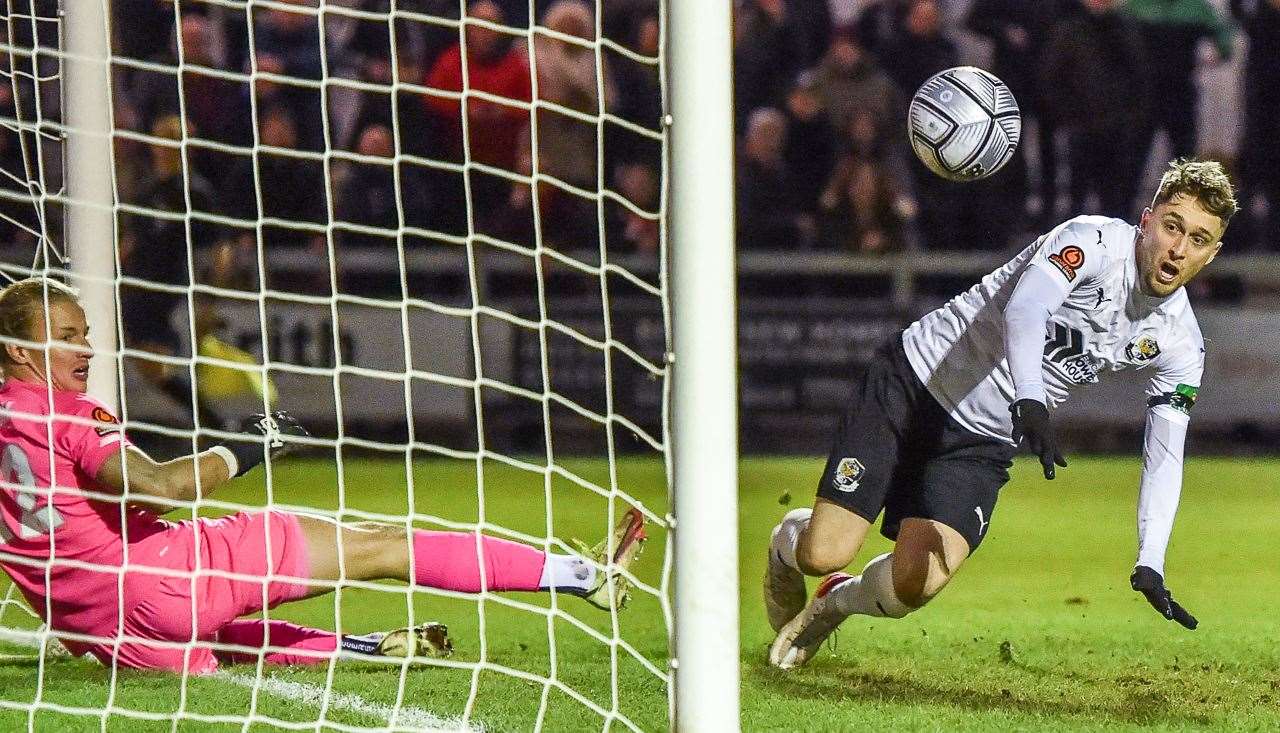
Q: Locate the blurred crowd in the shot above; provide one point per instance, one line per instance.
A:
(823, 86)
(337, 95)
(321, 130)
(279, 125)
(298, 119)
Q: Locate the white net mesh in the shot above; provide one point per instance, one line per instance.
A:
(30, 146)
(434, 231)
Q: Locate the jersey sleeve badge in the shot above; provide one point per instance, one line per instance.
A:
(1068, 260)
(101, 415)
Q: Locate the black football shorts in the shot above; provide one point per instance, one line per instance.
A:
(898, 450)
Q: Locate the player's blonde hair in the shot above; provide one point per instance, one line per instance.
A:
(22, 307)
(1204, 180)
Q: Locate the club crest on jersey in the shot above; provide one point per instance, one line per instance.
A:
(1069, 260)
(848, 473)
(1142, 350)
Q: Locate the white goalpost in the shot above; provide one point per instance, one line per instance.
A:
(706, 416)
(90, 226)
(519, 336)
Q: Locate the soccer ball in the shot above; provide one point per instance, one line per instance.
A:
(964, 123)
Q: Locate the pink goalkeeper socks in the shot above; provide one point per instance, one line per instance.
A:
(451, 561)
(299, 639)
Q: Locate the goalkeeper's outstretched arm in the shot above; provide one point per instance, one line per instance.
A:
(165, 486)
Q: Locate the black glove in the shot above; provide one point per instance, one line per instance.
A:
(1150, 584)
(1031, 426)
(264, 429)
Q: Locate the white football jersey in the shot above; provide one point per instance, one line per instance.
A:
(1106, 324)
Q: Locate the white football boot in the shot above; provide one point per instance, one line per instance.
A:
(784, 593)
(800, 639)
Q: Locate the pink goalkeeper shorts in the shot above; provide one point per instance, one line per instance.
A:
(169, 607)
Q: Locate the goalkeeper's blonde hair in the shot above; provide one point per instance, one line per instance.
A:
(1204, 180)
(22, 309)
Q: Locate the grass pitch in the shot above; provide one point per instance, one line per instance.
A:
(1039, 631)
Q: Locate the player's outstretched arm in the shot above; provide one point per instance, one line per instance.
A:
(1158, 497)
(162, 486)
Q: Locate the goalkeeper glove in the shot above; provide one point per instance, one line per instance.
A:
(1031, 426)
(263, 429)
(1150, 584)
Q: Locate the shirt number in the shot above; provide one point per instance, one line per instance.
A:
(35, 520)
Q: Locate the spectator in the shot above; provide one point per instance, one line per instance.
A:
(274, 184)
(1260, 148)
(495, 66)
(867, 138)
(1172, 31)
(849, 80)
(859, 210)
(496, 131)
(1019, 31)
(421, 137)
(154, 248)
(1096, 64)
(19, 222)
(917, 54)
(812, 22)
(567, 78)
(208, 99)
(287, 42)
(567, 146)
(638, 99)
(880, 25)
(370, 197)
(768, 214)
(766, 56)
(369, 56)
(811, 144)
(215, 107)
(921, 50)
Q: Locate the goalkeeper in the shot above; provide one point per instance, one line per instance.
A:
(66, 548)
(933, 424)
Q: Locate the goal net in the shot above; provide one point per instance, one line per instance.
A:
(433, 230)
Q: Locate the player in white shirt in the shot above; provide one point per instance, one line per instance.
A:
(934, 422)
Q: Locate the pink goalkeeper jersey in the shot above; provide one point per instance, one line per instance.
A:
(35, 530)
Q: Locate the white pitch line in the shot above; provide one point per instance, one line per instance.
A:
(407, 718)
